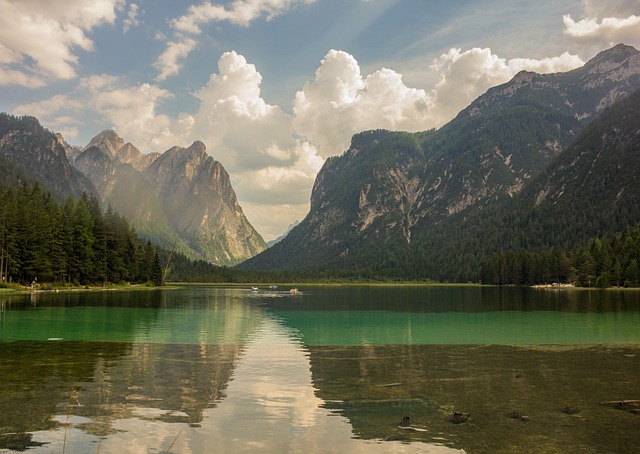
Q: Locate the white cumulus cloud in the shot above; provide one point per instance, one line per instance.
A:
(465, 75)
(341, 102)
(606, 32)
(38, 39)
(605, 24)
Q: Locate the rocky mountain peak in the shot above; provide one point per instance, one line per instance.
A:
(177, 159)
(107, 141)
(128, 153)
(182, 194)
(198, 147)
(40, 155)
(610, 59)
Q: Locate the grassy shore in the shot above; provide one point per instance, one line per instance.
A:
(17, 288)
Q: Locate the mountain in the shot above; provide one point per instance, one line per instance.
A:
(196, 195)
(127, 191)
(30, 153)
(182, 197)
(286, 232)
(394, 203)
(590, 189)
(113, 146)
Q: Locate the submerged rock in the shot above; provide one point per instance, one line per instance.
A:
(405, 421)
(459, 417)
(516, 414)
(571, 410)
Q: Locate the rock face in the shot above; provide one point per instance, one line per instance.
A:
(390, 186)
(182, 196)
(31, 153)
(196, 194)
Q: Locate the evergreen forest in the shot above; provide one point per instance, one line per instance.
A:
(606, 262)
(77, 243)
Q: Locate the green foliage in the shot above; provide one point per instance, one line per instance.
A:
(76, 243)
(590, 190)
(601, 262)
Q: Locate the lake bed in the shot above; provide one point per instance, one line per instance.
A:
(332, 369)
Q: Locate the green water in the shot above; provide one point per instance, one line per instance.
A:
(202, 369)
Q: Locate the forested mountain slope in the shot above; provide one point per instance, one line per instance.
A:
(182, 198)
(592, 189)
(430, 205)
(30, 153)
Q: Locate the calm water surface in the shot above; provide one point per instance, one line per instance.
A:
(204, 369)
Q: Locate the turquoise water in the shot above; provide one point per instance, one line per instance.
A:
(332, 369)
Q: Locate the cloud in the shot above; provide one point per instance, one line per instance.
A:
(237, 121)
(619, 8)
(170, 61)
(15, 77)
(40, 37)
(343, 101)
(273, 197)
(604, 33)
(132, 18)
(130, 110)
(605, 24)
(44, 110)
(466, 75)
(239, 12)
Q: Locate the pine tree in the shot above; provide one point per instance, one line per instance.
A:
(156, 271)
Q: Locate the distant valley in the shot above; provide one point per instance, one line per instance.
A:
(543, 161)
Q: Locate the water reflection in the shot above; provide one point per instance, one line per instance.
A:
(459, 328)
(558, 390)
(240, 380)
(204, 369)
(270, 405)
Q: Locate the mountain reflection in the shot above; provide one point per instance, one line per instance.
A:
(179, 365)
(201, 368)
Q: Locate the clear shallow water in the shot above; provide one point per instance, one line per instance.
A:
(203, 369)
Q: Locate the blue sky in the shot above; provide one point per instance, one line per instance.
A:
(274, 87)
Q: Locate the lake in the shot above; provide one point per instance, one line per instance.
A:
(358, 369)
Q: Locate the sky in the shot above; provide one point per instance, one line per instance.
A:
(275, 87)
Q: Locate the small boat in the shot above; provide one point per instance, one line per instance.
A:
(254, 289)
(293, 291)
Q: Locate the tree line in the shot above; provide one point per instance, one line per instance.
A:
(601, 262)
(78, 243)
(75, 242)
